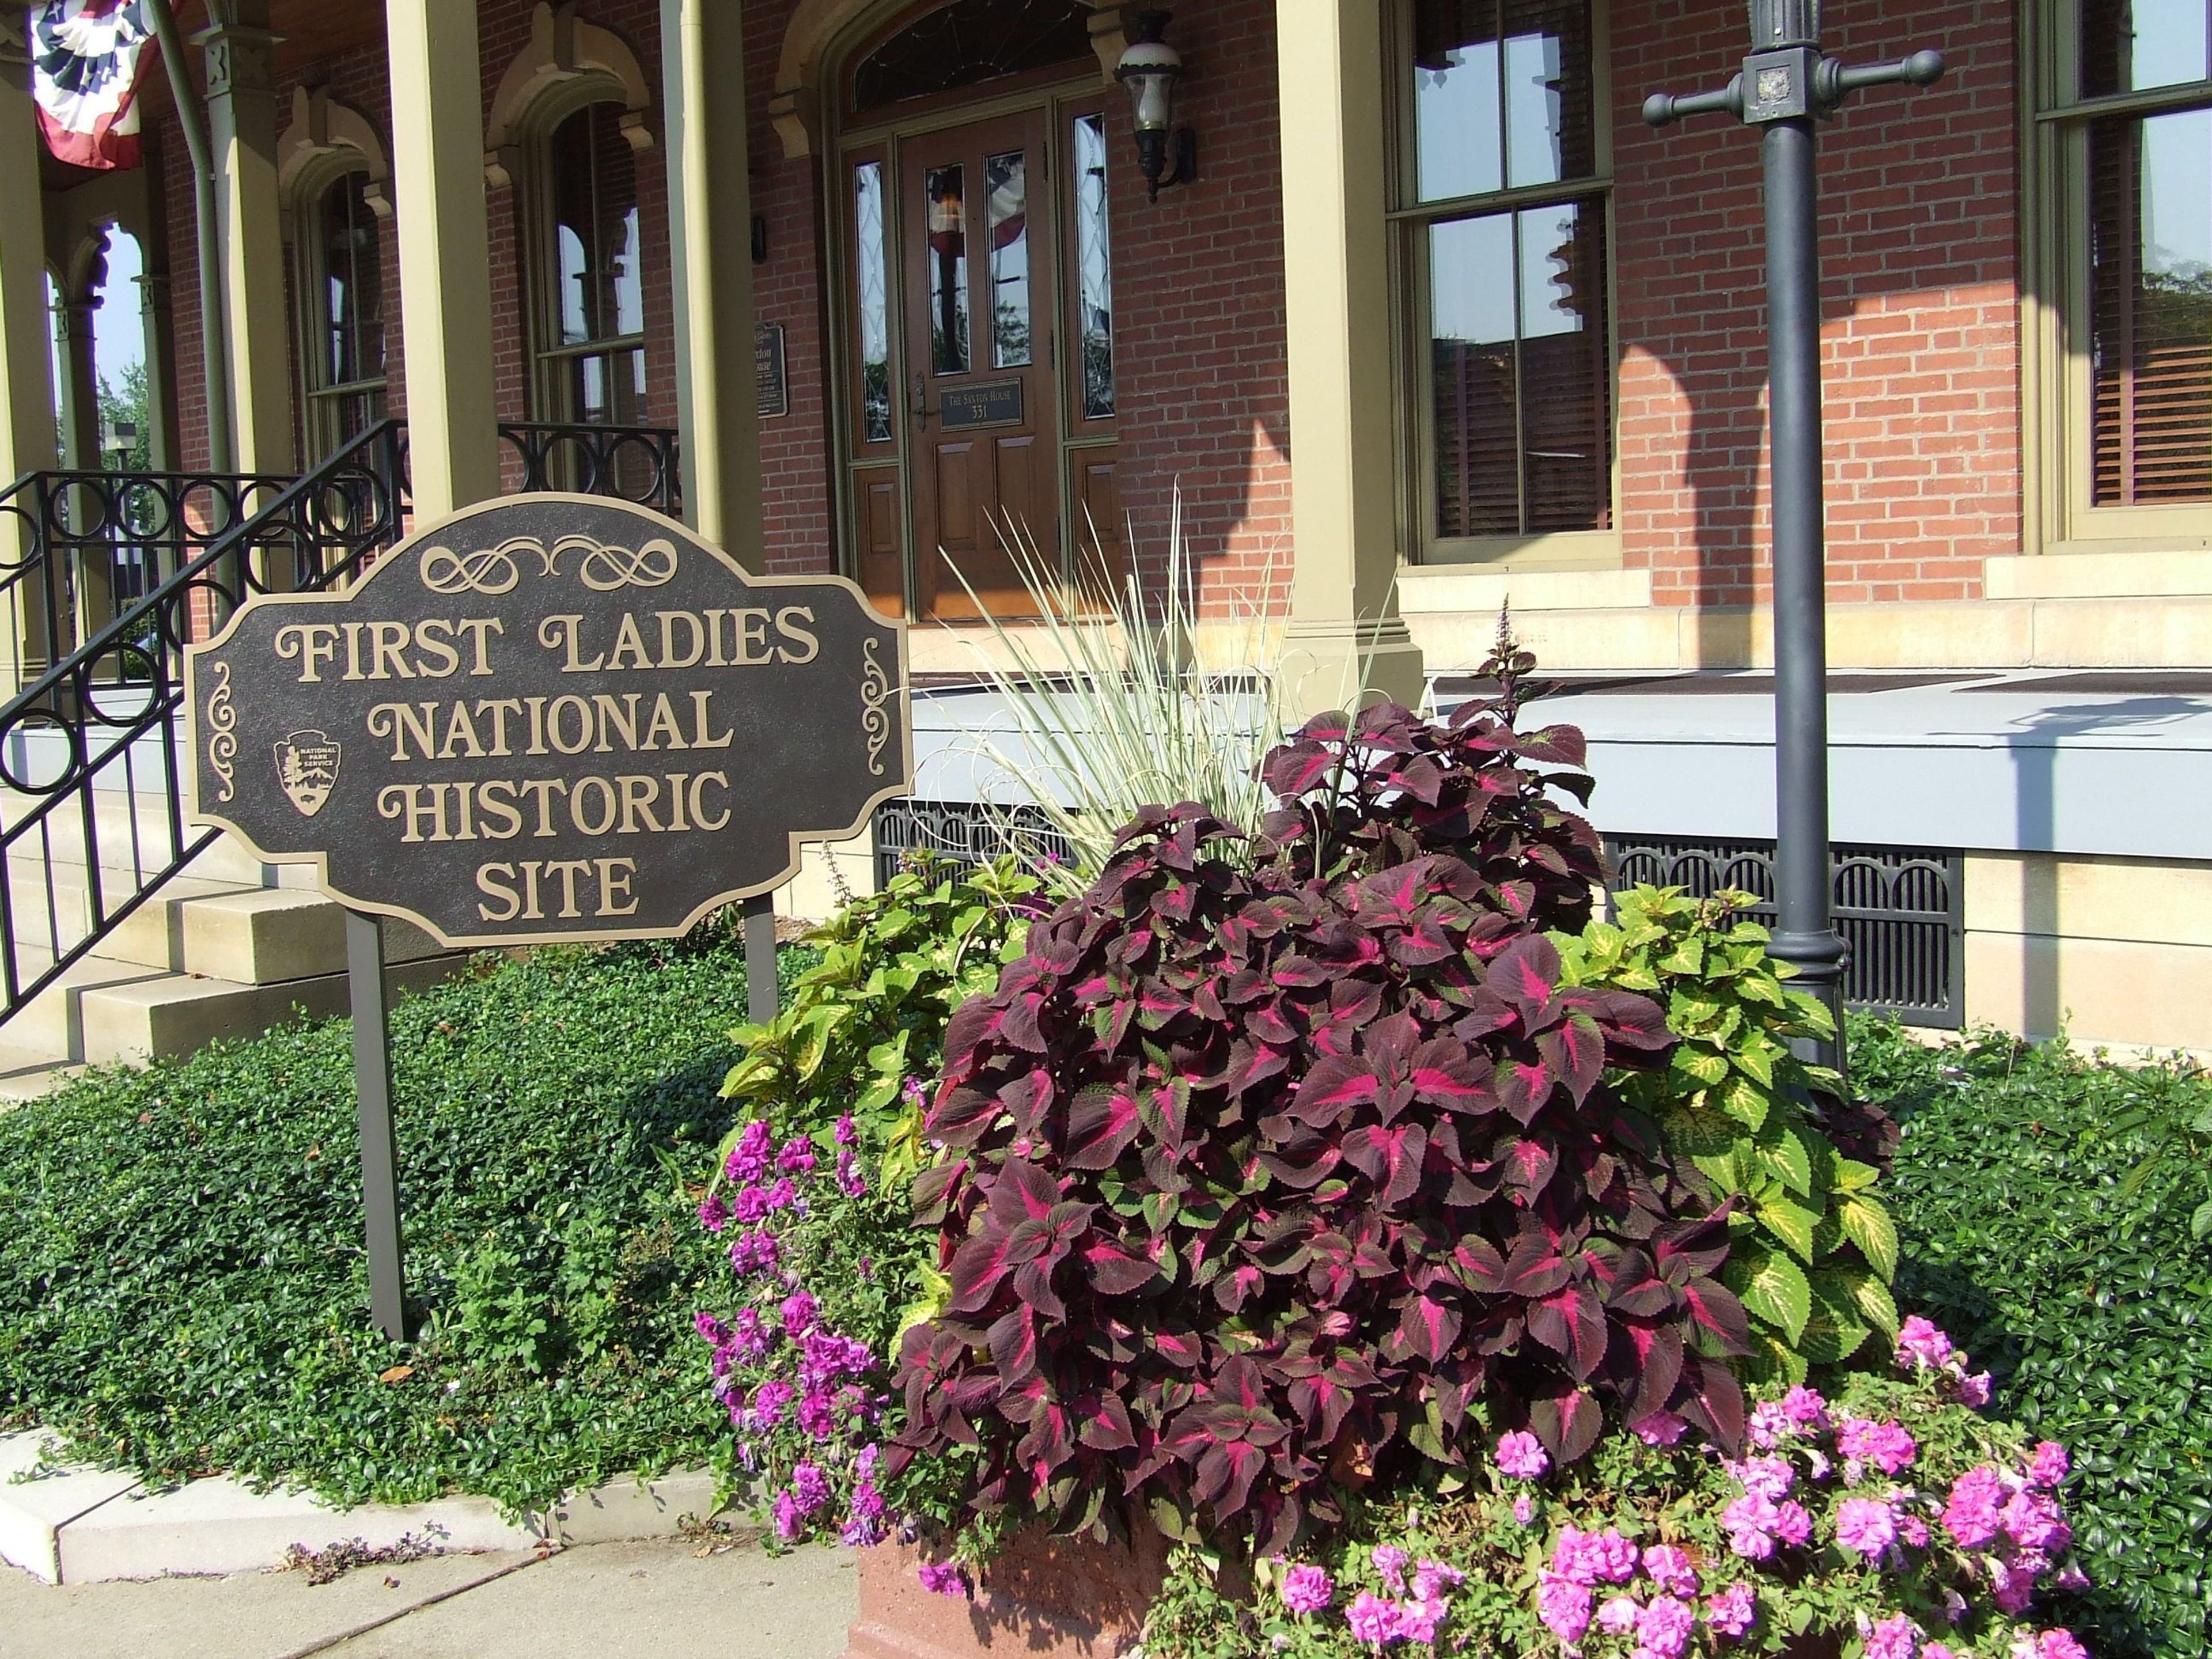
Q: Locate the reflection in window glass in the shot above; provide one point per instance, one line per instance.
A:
(2130, 45)
(598, 279)
(1522, 408)
(948, 268)
(868, 278)
(1094, 268)
(1502, 94)
(2151, 320)
(348, 390)
(1007, 213)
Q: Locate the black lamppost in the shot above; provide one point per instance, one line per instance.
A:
(1784, 86)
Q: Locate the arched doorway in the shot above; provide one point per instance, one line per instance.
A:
(974, 285)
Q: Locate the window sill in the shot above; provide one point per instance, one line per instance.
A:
(1567, 550)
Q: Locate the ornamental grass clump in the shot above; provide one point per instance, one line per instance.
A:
(1893, 1520)
(1267, 1177)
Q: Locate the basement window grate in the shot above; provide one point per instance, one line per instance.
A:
(964, 831)
(1900, 908)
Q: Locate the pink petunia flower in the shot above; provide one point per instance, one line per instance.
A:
(1894, 1637)
(1307, 1588)
(1921, 1343)
(1524, 1509)
(1669, 1568)
(1422, 1618)
(1664, 1627)
(2048, 1467)
(1432, 1578)
(1975, 1513)
(1661, 1429)
(1975, 1390)
(1618, 1616)
(1768, 1425)
(1793, 1525)
(1373, 1620)
(1390, 1562)
(1867, 1526)
(1750, 1524)
(1522, 1457)
(1805, 1408)
(1733, 1612)
(2060, 1645)
(2033, 1521)
(944, 1578)
(1563, 1605)
(1765, 1477)
(1884, 1445)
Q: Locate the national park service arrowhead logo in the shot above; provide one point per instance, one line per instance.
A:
(307, 766)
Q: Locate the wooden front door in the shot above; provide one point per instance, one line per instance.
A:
(982, 390)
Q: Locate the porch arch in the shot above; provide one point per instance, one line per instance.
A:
(818, 27)
(570, 62)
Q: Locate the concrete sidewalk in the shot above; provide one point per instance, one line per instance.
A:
(635, 1601)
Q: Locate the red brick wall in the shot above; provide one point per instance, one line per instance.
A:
(1920, 348)
(1200, 377)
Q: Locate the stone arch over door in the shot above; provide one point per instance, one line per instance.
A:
(819, 28)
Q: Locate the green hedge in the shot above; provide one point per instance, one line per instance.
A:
(182, 1285)
(2045, 1203)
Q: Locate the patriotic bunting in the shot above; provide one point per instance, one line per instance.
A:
(85, 58)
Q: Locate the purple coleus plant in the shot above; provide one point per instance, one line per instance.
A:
(1258, 1173)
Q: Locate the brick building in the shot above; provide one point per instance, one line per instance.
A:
(1438, 324)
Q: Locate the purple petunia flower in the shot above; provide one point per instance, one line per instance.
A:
(1866, 1525)
(943, 1578)
(1522, 1456)
(1373, 1620)
(1307, 1588)
(1733, 1612)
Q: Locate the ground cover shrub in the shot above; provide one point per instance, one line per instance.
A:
(182, 1282)
(1893, 1515)
(1812, 1249)
(1267, 1174)
(2045, 1203)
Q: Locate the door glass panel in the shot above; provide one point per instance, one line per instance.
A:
(2131, 45)
(875, 333)
(1008, 212)
(948, 268)
(1094, 268)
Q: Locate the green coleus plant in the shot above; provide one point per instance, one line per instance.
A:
(1812, 1250)
(862, 1027)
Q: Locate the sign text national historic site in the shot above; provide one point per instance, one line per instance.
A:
(550, 717)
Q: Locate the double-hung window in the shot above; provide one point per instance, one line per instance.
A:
(2125, 163)
(1502, 186)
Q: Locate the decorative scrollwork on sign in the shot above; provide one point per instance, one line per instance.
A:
(223, 722)
(875, 719)
(488, 571)
(606, 568)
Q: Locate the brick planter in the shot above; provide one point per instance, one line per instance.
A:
(1043, 1598)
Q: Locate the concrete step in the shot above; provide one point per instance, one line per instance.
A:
(26, 1074)
(132, 834)
(52, 1022)
(135, 1019)
(45, 902)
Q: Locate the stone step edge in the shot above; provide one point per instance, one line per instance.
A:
(74, 1524)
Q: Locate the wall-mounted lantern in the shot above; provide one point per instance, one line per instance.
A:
(1149, 67)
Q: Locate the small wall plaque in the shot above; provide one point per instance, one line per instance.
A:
(998, 404)
(768, 370)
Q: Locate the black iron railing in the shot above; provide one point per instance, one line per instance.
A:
(962, 831)
(632, 462)
(89, 750)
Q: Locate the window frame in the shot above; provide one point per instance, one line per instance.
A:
(321, 422)
(2060, 513)
(547, 355)
(1410, 220)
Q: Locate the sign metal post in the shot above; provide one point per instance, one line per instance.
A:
(1785, 86)
(380, 1142)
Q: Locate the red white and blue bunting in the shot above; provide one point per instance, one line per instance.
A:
(85, 60)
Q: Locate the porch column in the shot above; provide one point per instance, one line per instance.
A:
(710, 243)
(445, 253)
(1344, 624)
(242, 110)
(27, 385)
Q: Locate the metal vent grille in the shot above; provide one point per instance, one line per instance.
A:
(967, 832)
(1901, 909)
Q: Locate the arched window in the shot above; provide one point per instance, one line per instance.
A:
(588, 272)
(339, 243)
(966, 43)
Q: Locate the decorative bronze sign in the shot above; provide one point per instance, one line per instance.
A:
(550, 717)
(998, 404)
(771, 382)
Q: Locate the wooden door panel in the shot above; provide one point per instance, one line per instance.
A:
(1101, 534)
(883, 564)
